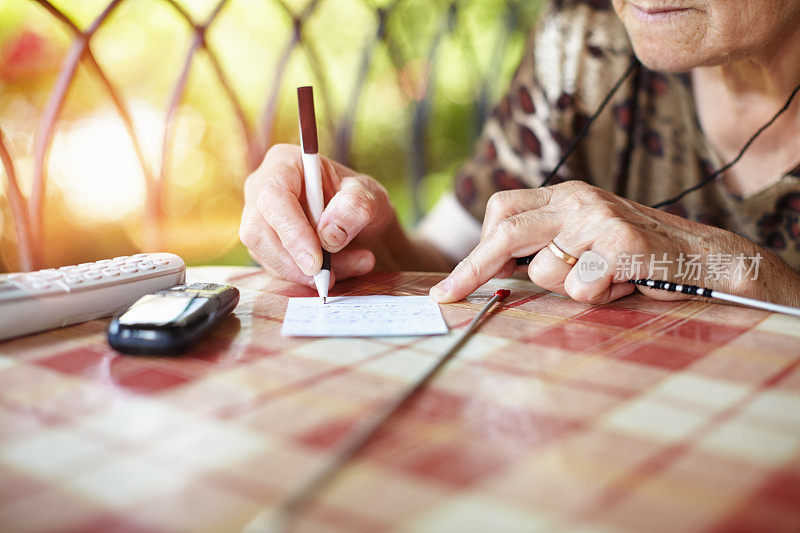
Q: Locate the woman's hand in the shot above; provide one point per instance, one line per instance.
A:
(276, 229)
(581, 218)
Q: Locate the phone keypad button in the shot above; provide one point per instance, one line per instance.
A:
(48, 274)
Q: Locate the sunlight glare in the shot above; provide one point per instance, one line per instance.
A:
(95, 167)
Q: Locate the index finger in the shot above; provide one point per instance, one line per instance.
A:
(284, 214)
(516, 236)
(279, 187)
(504, 204)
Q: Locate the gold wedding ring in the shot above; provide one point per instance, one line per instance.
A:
(561, 254)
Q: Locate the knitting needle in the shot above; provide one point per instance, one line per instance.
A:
(282, 519)
(694, 290)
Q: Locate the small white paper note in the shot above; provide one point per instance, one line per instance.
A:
(363, 316)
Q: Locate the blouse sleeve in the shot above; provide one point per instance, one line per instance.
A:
(575, 56)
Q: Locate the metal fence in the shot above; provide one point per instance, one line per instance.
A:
(257, 131)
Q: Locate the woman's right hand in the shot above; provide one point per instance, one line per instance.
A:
(275, 226)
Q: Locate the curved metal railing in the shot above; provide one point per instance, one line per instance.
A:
(28, 214)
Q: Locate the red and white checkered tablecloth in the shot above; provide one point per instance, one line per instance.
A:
(556, 416)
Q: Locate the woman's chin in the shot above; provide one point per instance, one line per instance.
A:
(665, 58)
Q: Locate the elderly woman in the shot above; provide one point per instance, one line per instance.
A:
(645, 101)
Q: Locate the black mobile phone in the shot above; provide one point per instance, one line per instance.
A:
(172, 320)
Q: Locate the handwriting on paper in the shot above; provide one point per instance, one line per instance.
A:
(363, 316)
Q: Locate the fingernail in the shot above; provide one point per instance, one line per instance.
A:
(306, 263)
(363, 265)
(333, 235)
(439, 290)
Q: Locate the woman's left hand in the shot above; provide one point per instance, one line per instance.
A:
(580, 218)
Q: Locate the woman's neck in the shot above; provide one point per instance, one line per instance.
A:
(735, 99)
(772, 72)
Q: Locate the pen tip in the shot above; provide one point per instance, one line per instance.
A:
(324, 300)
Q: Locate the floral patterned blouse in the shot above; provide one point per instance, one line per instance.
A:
(647, 145)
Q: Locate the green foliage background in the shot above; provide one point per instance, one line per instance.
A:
(142, 48)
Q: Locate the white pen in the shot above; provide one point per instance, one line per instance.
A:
(312, 178)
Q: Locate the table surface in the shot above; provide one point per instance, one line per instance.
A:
(634, 416)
